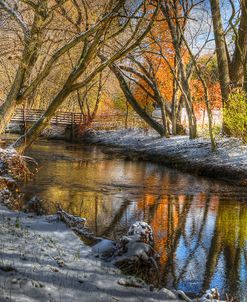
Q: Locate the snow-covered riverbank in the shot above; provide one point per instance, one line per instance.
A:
(228, 162)
(41, 259)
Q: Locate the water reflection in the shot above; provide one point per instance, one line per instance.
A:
(200, 225)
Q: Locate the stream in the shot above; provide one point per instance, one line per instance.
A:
(200, 225)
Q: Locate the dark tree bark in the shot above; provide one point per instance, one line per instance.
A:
(221, 51)
(177, 44)
(239, 56)
(89, 52)
(133, 102)
(32, 44)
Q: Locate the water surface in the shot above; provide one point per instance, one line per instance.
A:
(200, 225)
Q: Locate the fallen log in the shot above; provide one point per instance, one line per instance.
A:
(133, 253)
(77, 224)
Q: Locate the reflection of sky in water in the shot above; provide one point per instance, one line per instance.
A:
(218, 279)
(199, 224)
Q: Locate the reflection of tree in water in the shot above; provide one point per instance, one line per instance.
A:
(178, 213)
(197, 244)
(181, 223)
(116, 218)
(197, 235)
(229, 240)
(177, 219)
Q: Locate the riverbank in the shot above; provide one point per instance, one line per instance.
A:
(228, 162)
(43, 260)
(29, 254)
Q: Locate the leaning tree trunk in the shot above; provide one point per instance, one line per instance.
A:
(33, 43)
(8, 107)
(32, 134)
(133, 102)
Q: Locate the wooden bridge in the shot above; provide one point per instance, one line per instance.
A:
(103, 121)
(61, 118)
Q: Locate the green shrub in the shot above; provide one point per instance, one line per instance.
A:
(235, 115)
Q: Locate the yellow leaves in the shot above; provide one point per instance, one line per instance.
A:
(235, 117)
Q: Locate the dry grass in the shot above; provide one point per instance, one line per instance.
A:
(15, 165)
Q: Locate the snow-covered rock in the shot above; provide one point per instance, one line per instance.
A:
(143, 231)
(35, 205)
(137, 245)
(211, 295)
(104, 249)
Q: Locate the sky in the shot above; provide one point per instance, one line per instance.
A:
(200, 28)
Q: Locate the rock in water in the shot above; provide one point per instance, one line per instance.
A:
(211, 295)
(143, 231)
(35, 205)
(104, 249)
(135, 254)
(138, 242)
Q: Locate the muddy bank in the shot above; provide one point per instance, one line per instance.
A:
(228, 162)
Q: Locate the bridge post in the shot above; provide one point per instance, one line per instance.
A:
(73, 126)
(24, 118)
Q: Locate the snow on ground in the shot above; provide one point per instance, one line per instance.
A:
(41, 259)
(229, 161)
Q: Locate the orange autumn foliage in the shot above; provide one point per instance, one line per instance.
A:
(158, 38)
(199, 98)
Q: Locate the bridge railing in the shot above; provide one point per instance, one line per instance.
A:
(32, 115)
(103, 121)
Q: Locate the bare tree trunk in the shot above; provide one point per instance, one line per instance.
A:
(32, 134)
(189, 107)
(176, 40)
(221, 51)
(164, 119)
(174, 103)
(245, 75)
(8, 107)
(32, 42)
(133, 102)
(240, 52)
(126, 116)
